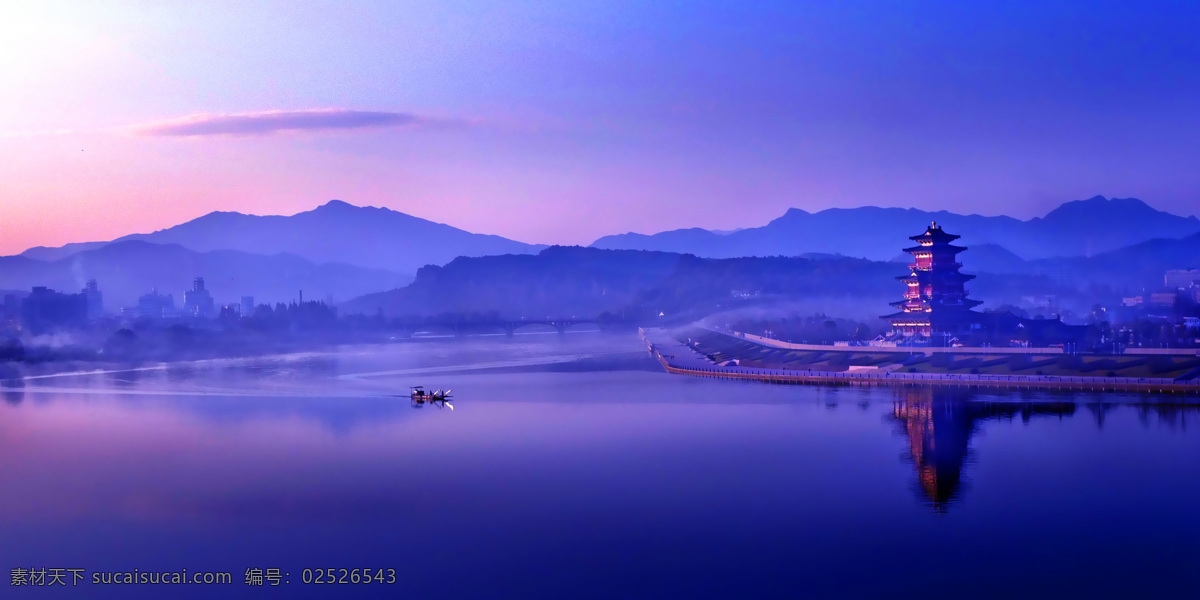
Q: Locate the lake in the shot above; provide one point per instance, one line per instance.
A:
(573, 467)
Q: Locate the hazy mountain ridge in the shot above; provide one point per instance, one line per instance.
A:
(1131, 269)
(565, 281)
(126, 270)
(1078, 228)
(586, 281)
(335, 232)
(53, 253)
(557, 281)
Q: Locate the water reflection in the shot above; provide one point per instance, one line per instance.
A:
(1100, 411)
(352, 394)
(551, 476)
(1174, 416)
(14, 391)
(939, 423)
(302, 366)
(440, 403)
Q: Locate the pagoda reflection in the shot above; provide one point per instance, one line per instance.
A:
(939, 423)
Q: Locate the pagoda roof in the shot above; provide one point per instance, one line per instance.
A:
(942, 248)
(935, 233)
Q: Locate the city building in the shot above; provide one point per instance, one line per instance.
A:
(94, 299)
(935, 301)
(1181, 279)
(153, 306)
(46, 309)
(247, 306)
(1161, 299)
(198, 302)
(230, 311)
(12, 306)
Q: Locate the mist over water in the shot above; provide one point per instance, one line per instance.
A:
(572, 466)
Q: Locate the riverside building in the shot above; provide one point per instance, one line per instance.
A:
(936, 310)
(935, 298)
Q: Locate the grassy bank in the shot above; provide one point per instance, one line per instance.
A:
(721, 347)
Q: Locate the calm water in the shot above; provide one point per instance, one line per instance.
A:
(577, 469)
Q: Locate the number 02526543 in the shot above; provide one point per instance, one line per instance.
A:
(348, 576)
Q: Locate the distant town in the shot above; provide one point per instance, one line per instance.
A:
(45, 310)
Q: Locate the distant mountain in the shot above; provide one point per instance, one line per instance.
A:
(991, 258)
(700, 242)
(563, 281)
(1127, 270)
(16, 272)
(53, 253)
(126, 270)
(1080, 228)
(1101, 224)
(366, 236)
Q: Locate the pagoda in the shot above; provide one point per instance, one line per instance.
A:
(935, 301)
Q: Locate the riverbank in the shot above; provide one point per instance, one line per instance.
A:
(707, 353)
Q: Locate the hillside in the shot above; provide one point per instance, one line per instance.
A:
(1131, 269)
(555, 282)
(563, 281)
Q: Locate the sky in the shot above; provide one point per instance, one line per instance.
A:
(560, 122)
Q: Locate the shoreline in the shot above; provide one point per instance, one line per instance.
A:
(694, 364)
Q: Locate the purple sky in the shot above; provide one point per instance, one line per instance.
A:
(559, 122)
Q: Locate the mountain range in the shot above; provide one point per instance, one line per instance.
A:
(335, 232)
(381, 238)
(1079, 228)
(347, 251)
(126, 270)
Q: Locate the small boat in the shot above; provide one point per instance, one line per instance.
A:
(420, 396)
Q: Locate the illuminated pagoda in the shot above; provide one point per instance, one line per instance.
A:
(935, 302)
